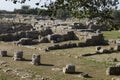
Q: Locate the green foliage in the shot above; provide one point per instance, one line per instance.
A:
(26, 11)
(86, 8)
(33, 11)
(116, 15)
(82, 8)
(99, 10)
(4, 11)
(62, 14)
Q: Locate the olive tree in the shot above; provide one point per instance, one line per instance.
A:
(91, 9)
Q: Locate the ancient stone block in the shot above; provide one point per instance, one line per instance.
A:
(113, 71)
(117, 48)
(97, 48)
(35, 59)
(115, 78)
(80, 44)
(3, 53)
(83, 75)
(70, 68)
(111, 49)
(25, 41)
(118, 65)
(43, 39)
(18, 56)
(103, 51)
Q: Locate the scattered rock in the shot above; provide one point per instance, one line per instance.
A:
(3, 53)
(70, 68)
(3, 62)
(7, 70)
(35, 59)
(83, 75)
(113, 70)
(118, 65)
(115, 78)
(18, 56)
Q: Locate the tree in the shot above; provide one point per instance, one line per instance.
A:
(116, 15)
(25, 7)
(62, 14)
(92, 9)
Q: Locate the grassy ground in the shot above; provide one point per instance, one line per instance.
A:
(95, 65)
(55, 59)
(111, 34)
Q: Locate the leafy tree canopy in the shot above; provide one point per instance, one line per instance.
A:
(100, 9)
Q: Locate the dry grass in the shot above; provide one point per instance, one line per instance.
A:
(58, 59)
(94, 65)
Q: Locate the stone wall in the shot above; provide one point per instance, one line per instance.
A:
(14, 27)
(24, 34)
(97, 39)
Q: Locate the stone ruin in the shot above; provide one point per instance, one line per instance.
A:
(114, 41)
(36, 59)
(25, 41)
(95, 39)
(99, 50)
(7, 27)
(18, 56)
(3, 53)
(62, 46)
(116, 48)
(70, 68)
(55, 38)
(24, 34)
(78, 26)
(92, 24)
(90, 41)
(113, 70)
(50, 32)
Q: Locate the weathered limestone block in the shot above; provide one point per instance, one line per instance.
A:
(118, 65)
(111, 49)
(115, 78)
(18, 56)
(98, 48)
(70, 68)
(113, 71)
(3, 53)
(71, 45)
(36, 59)
(80, 44)
(117, 48)
(83, 75)
(25, 41)
(43, 39)
(64, 46)
(103, 51)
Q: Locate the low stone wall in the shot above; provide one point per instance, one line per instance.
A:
(113, 70)
(97, 39)
(70, 68)
(65, 46)
(114, 41)
(7, 27)
(24, 34)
